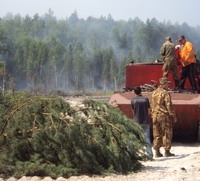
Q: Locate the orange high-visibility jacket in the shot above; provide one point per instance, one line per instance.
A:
(187, 54)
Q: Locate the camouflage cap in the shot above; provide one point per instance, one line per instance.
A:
(168, 38)
(164, 80)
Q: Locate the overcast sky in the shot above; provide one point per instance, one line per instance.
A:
(176, 11)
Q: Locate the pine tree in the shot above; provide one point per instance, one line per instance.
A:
(47, 136)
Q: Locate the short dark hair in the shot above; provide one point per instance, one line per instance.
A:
(182, 37)
(137, 90)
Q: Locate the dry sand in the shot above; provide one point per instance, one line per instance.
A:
(185, 166)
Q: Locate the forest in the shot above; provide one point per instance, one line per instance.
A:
(73, 54)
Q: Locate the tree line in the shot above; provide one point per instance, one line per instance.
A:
(72, 54)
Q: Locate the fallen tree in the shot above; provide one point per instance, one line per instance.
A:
(47, 136)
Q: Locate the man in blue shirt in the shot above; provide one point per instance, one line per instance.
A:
(141, 107)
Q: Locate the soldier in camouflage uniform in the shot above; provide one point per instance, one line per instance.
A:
(168, 53)
(163, 117)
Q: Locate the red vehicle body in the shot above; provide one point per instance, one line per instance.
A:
(186, 105)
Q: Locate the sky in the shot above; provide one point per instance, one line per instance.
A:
(175, 11)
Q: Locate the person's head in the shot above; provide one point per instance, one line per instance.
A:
(168, 38)
(137, 90)
(164, 82)
(182, 39)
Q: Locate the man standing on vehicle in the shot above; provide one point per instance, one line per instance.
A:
(168, 53)
(163, 116)
(187, 60)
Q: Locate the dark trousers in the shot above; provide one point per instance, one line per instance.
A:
(188, 72)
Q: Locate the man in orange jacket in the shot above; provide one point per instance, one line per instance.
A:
(188, 59)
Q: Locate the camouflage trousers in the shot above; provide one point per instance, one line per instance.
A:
(162, 132)
(170, 66)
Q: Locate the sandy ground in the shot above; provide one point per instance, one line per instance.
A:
(185, 166)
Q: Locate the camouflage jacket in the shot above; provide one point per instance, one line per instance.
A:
(168, 52)
(161, 104)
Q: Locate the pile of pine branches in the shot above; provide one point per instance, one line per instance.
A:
(46, 136)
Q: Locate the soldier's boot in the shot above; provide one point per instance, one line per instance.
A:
(168, 153)
(158, 154)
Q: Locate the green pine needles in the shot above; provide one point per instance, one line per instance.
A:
(47, 136)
